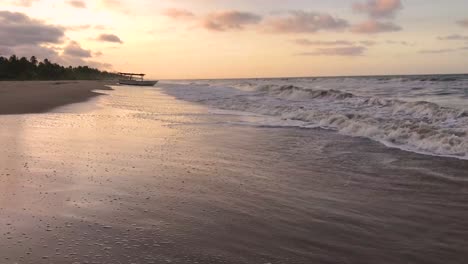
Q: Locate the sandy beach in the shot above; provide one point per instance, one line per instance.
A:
(138, 176)
(41, 96)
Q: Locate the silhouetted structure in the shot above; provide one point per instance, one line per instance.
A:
(15, 68)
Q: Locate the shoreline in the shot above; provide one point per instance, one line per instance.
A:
(33, 97)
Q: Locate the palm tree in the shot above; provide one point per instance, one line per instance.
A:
(33, 60)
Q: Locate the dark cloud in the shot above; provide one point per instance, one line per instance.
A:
(77, 4)
(177, 13)
(453, 37)
(374, 27)
(379, 8)
(40, 52)
(109, 38)
(339, 51)
(226, 20)
(74, 49)
(306, 42)
(18, 29)
(463, 23)
(304, 22)
(26, 37)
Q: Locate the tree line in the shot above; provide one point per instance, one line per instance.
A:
(14, 68)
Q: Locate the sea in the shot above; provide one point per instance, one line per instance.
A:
(426, 114)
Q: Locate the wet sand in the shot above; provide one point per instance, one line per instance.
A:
(145, 178)
(41, 96)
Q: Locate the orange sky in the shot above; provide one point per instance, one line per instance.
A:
(172, 39)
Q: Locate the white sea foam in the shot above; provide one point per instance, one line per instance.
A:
(419, 126)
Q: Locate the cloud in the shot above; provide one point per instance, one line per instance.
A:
(404, 43)
(79, 27)
(74, 49)
(25, 3)
(340, 51)
(99, 65)
(304, 22)
(437, 51)
(18, 29)
(225, 20)
(374, 27)
(53, 55)
(6, 51)
(453, 37)
(77, 3)
(441, 51)
(368, 42)
(114, 5)
(306, 42)
(379, 8)
(40, 52)
(26, 37)
(463, 23)
(86, 27)
(109, 38)
(101, 27)
(177, 13)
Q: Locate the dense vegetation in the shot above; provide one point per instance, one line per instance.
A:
(15, 68)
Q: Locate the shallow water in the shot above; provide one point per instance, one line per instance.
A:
(423, 114)
(141, 177)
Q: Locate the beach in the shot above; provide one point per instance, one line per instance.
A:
(145, 175)
(21, 97)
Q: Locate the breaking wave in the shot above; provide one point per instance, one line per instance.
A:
(418, 126)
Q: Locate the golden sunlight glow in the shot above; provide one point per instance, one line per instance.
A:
(227, 39)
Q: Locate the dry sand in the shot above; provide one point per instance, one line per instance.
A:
(41, 96)
(144, 178)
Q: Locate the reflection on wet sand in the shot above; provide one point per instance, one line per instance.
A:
(144, 178)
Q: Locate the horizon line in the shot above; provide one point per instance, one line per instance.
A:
(322, 76)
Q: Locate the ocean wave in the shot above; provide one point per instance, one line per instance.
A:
(420, 126)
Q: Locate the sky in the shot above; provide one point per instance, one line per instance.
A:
(204, 39)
